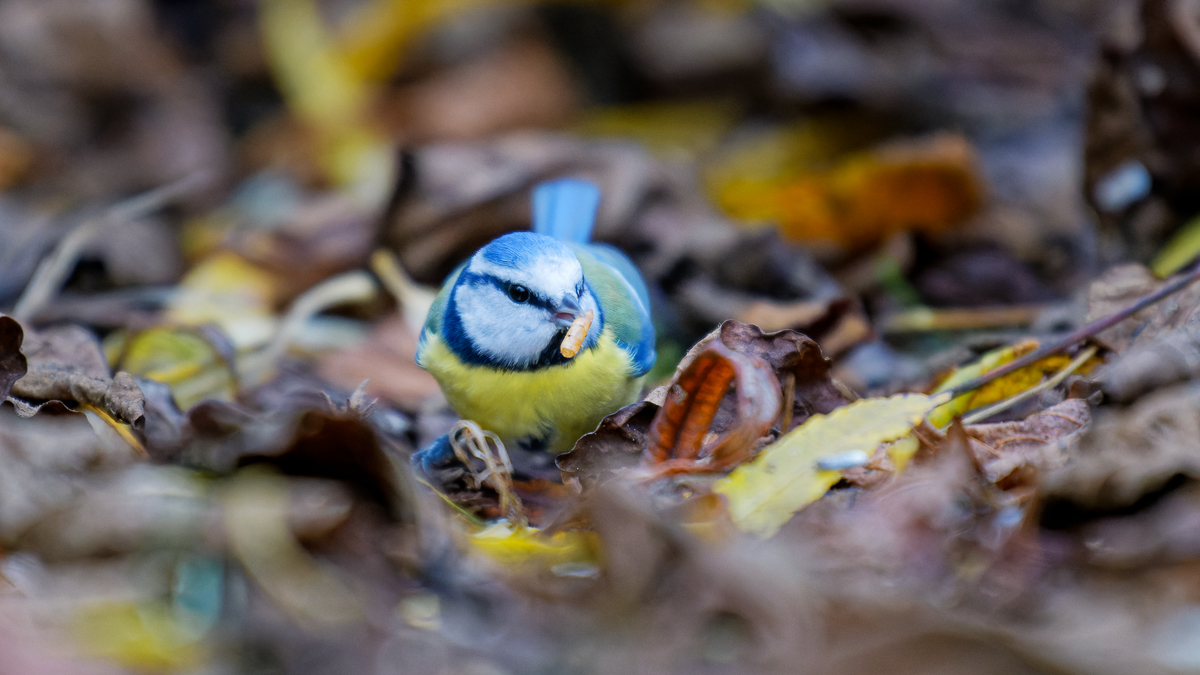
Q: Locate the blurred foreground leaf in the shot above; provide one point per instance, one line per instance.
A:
(785, 477)
(566, 553)
(146, 637)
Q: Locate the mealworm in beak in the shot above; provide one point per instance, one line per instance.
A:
(576, 334)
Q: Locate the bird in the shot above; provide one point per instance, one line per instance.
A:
(493, 338)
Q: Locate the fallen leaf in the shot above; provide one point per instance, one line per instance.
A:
(1043, 441)
(1128, 454)
(784, 478)
(227, 290)
(665, 427)
(683, 435)
(13, 364)
(196, 363)
(1151, 364)
(567, 553)
(927, 186)
(65, 364)
(990, 361)
(1123, 285)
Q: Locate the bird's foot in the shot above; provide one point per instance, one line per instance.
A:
(437, 463)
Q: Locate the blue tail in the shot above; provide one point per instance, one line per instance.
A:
(566, 209)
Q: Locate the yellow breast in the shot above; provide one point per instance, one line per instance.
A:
(559, 403)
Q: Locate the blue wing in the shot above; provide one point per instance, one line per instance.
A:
(620, 290)
(566, 209)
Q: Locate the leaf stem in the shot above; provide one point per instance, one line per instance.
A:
(1000, 406)
(1084, 333)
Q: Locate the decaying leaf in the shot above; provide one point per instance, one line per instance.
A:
(785, 476)
(13, 364)
(1120, 287)
(682, 433)
(66, 364)
(1010, 452)
(698, 416)
(1128, 454)
(1150, 364)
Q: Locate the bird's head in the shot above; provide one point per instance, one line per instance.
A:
(513, 303)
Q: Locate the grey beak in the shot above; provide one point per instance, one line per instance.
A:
(568, 310)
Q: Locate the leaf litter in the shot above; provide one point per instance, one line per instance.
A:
(945, 422)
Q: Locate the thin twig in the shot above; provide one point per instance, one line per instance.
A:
(927, 319)
(1001, 406)
(52, 272)
(1084, 333)
(355, 286)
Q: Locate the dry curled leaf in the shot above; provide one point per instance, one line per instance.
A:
(1128, 454)
(13, 364)
(1011, 453)
(683, 434)
(777, 369)
(66, 365)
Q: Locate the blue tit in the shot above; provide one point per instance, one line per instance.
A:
(493, 335)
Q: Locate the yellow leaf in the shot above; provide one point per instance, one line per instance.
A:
(765, 493)
(514, 546)
(145, 637)
(1005, 387)
(181, 358)
(902, 451)
(227, 290)
(1179, 251)
(927, 185)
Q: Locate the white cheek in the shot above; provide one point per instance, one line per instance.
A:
(511, 332)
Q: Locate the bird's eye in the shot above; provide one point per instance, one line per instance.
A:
(518, 293)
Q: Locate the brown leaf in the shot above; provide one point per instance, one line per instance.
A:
(670, 426)
(686, 431)
(1040, 442)
(1152, 364)
(1119, 288)
(13, 364)
(790, 354)
(66, 365)
(1129, 454)
(616, 444)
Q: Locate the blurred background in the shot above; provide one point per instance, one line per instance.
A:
(197, 182)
